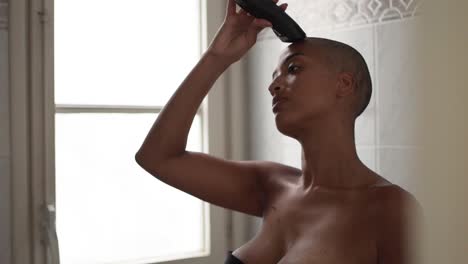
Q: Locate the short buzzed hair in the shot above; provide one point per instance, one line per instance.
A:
(346, 58)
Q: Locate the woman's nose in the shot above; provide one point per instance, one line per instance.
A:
(275, 87)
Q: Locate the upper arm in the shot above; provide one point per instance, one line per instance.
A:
(400, 214)
(236, 185)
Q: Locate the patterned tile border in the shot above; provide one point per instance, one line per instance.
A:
(3, 15)
(317, 15)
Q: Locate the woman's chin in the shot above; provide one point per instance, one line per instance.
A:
(283, 124)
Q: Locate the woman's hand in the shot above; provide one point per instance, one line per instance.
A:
(238, 33)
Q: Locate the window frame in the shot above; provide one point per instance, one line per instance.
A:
(32, 115)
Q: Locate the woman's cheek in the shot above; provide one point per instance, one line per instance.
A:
(292, 78)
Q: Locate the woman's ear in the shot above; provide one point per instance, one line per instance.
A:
(346, 84)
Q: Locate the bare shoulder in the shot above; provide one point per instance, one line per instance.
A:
(394, 203)
(275, 176)
(393, 198)
(272, 170)
(272, 167)
(399, 215)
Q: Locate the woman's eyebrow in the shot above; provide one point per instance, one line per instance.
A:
(287, 59)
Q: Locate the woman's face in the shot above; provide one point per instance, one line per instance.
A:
(305, 78)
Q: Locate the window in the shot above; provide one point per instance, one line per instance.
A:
(116, 65)
(85, 83)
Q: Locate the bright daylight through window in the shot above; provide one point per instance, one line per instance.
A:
(116, 62)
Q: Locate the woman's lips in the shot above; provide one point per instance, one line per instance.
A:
(277, 105)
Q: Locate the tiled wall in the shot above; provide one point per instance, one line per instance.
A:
(330, 15)
(383, 31)
(4, 138)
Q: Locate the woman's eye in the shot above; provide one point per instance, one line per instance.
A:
(294, 67)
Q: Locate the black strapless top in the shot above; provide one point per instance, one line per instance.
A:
(231, 259)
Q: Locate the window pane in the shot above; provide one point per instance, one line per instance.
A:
(123, 52)
(108, 208)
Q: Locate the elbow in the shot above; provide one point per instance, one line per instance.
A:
(141, 159)
(138, 159)
(145, 160)
(151, 162)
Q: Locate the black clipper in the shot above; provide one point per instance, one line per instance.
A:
(283, 25)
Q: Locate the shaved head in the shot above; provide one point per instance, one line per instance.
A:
(344, 58)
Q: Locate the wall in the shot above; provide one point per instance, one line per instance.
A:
(384, 32)
(4, 138)
(445, 126)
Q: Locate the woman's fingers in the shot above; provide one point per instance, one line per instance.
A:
(257, 26)
(243, 12)
(231, 7)
(262, 22)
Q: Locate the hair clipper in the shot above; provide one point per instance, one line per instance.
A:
(283, 25)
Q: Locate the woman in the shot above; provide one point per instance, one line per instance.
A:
(334, 209)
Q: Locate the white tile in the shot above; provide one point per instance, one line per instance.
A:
(367, 156)
(5, 211)
(397, 123)
(364, 127)
(324, 33)
(397, 69)
(399, 165)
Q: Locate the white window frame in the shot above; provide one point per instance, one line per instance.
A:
(32, 111)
